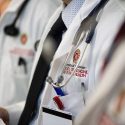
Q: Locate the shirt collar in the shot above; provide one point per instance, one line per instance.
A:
(70, 11)
(87, 7)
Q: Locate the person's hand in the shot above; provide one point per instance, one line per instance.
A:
(4, 115)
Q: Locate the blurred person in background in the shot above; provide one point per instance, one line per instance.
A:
(107, 106)
(18, 44)
(22, 23)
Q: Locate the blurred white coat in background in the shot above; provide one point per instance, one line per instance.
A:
(17, 53)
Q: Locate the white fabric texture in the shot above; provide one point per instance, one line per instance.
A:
(71, 10)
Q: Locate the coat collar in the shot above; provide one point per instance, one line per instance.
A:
(50, 23)
(84, 11)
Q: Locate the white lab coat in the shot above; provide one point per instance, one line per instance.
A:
(14, 80)
(101, 42)
(63, 49)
